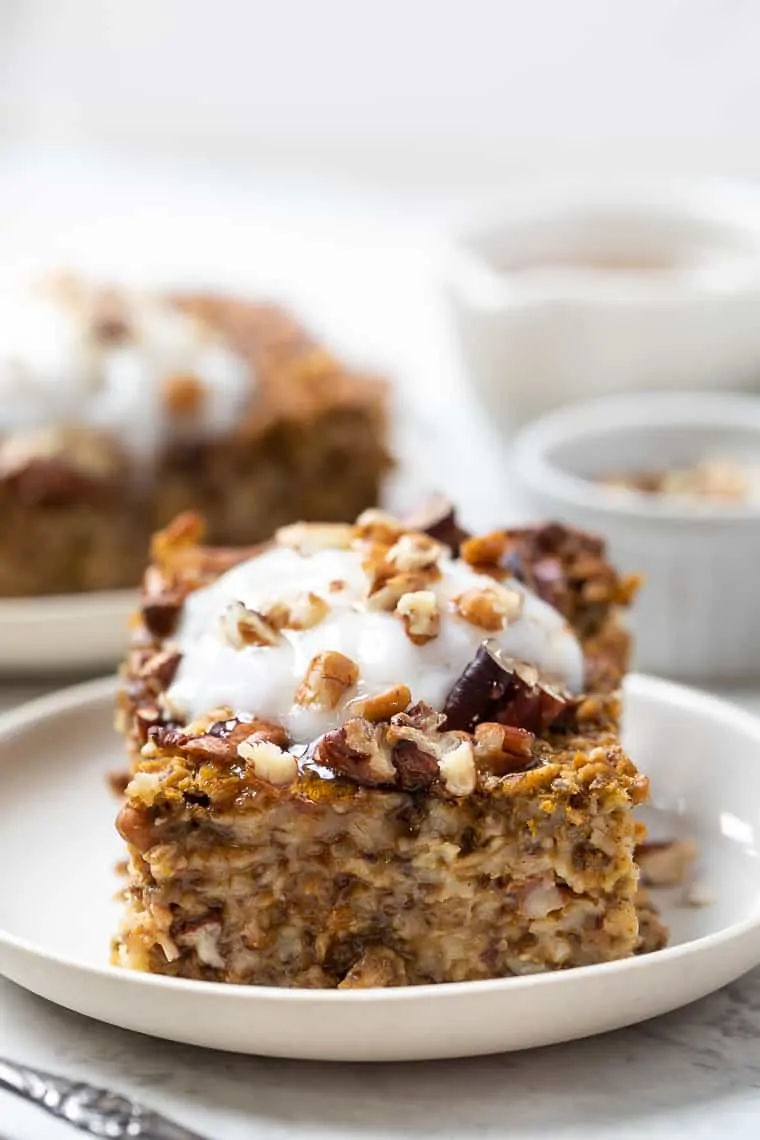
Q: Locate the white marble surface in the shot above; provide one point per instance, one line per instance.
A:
(694, 1073)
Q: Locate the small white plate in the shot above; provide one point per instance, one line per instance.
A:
(66, 632)
(57, 911)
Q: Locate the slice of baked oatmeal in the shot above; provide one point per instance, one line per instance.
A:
(119, 409)
(359, 760)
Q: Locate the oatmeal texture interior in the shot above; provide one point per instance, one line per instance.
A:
(119, 411)
(398, 798)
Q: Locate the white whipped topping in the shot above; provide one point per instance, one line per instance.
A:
(55, 370)
(262, 680)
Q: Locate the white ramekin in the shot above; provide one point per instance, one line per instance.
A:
(698, 614)
(531, 341)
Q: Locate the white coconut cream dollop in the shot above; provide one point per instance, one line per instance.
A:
(75, 354)
(263, 680)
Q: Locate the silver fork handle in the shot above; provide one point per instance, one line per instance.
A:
(93, 1110)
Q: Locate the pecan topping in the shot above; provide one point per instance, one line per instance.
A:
(357, 750)
(503, 748)
(160, 613)
(457, 769)
(136, 826)
(147, 717)
(161, 667)
(161, 604)
(302, 612)
(481, 686)
(220, 742)
(207, 747)
(491, 608)
(414, 552)
(383, 705)
(269, 762)
(438, 519)
(420, 614)
(242, 626)
(387, 588)
(167, 737)
(420, 716)
(329, 677)
(416, 745)
(379, 526)
(417, 769)
(183, 395)
(496, 688)
(235, 730)
(308, 538)
(531, 702)
(485, 549)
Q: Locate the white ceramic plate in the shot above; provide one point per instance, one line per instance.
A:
(64, 632)
(57, 883)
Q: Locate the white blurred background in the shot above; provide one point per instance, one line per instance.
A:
(448, 94)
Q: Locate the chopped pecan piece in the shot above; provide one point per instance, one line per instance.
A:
(167, 737)
(482, 684)
(438, 519)
(302, 612)
(183, 395)
(183, 533)
(379, 526)
(415, 552)
(457, 769)
(145, 718)
(549, 580)
(329, 677)
(135, 825)
(383, 705)
(417, 768)
(161, 667)
(242, 626)
(207, 747)
(161, 613)
(491, 608)
(485, 549)
(308, 538)
(387, 587)
(530, 703)
(258, 729)
(493, 687)
(269, 762)
(358, 751)
(420, 614)
(502, 748)
(419, 716)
